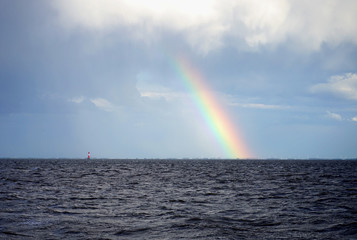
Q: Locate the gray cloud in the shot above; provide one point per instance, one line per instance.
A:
(207, 25)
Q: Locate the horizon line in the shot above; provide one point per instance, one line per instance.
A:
(169, 158)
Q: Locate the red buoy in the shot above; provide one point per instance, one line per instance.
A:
(88, 155)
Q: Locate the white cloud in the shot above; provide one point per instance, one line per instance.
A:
(344, 86)
(103, 104)
(207, 24)
(354, 119)
(334, 116)
(149, 86)
(76, 99)
(261, 106)
(232, 101)
(157, 94)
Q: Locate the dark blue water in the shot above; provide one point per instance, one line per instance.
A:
(177, 199)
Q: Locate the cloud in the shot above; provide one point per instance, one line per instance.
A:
(334, 116)
(210, 24)
(103, 104)
(149, 86)
(232, 101)
(156, 91)
(261, 106)
(156, 95)
(343, 86)
(76, 99)
(338, 117)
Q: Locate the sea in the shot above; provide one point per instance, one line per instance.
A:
(178, 199)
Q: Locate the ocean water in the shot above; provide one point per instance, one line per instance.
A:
(178, 199)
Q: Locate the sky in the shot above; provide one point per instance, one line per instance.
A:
(178, 79)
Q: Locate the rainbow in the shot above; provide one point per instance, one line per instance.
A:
(207, 104)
